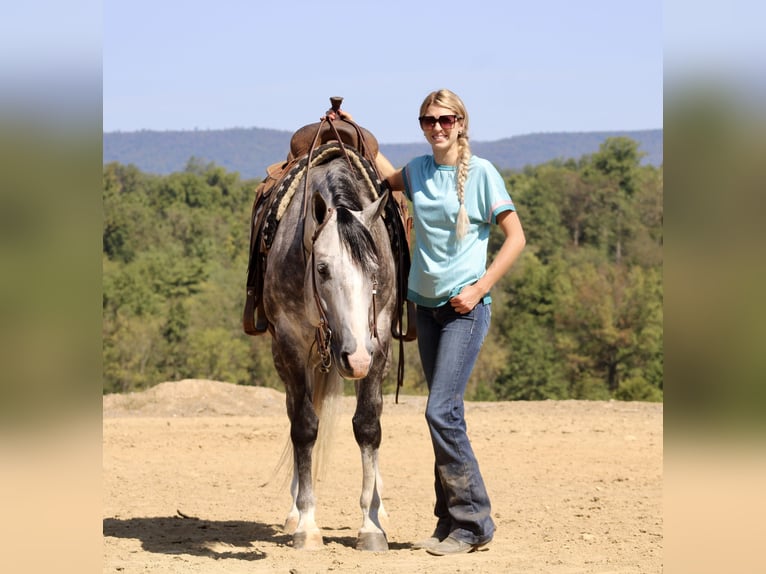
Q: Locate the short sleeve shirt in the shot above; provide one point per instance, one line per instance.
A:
(442, 265)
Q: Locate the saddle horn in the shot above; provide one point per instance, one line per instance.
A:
(335, 102)
(348, 132)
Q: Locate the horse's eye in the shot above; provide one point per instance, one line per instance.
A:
(323, 269)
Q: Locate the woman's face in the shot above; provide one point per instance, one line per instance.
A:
(438, 133)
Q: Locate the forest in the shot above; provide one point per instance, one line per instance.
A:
(580, 315)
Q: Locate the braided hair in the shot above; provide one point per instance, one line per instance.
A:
(446, 99)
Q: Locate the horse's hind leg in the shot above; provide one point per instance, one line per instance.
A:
(367, 432)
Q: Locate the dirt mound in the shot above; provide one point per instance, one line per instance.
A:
(194, 398)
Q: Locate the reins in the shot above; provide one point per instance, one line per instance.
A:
(323, 334)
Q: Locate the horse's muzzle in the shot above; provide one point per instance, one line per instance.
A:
(355, 365)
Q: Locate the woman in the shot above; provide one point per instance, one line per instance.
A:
(456, 196)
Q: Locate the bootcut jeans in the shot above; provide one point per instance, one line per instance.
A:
(449, 344)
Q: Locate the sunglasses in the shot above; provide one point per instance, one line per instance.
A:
(446, 122)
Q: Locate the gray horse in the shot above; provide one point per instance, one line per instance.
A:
(330, 294)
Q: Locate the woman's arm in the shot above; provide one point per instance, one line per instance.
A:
(388, 172)
(509, 252)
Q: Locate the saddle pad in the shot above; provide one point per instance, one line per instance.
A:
(285, 188)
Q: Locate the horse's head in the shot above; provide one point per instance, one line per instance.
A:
(341, 280)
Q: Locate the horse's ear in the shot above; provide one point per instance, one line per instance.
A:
(318, 208)
(375, 209)
(317, 212)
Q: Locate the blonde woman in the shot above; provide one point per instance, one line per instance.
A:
(456, 197)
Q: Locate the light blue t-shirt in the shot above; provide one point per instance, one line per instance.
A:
(442, 265)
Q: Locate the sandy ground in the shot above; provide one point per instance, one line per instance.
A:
(189, 486)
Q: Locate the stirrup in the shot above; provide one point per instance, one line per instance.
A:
(261, 322)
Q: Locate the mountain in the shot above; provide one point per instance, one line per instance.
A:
(250, 150)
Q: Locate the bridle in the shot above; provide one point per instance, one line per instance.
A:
(323, 332)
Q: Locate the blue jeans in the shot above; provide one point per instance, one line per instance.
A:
(449, 344)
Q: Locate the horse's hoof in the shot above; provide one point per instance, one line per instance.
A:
(308, 541)
(372, 542)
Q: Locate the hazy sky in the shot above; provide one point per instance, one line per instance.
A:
(520, 66)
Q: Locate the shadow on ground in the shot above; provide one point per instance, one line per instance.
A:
(197, 537)
(211, 538)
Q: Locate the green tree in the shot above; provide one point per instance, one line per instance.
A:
(532, 371)
(214, 354)
(538, 198)
(130, 349)
(619, 157)
(609, 322)
(525, 318)
(613, 173)
(175, 332)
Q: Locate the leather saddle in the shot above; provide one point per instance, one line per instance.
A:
(343, 130)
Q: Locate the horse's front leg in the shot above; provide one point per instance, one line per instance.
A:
(367, 432)
(303, 433)
(291, 522)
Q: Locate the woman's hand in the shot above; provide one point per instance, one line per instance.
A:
(343, 115)
(467, 299)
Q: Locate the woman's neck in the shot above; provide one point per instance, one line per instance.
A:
(446, 156)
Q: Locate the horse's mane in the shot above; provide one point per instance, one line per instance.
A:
(345, 197)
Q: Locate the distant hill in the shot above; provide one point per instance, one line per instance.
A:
(249, 150)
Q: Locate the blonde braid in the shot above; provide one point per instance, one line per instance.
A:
(464, 158)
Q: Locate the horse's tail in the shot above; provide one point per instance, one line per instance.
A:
(328, 392)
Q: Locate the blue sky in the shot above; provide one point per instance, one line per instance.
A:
(521, 67)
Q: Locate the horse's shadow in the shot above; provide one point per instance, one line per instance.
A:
(197, 537)
(211, 538)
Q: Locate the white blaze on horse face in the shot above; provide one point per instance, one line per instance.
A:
(346, 295)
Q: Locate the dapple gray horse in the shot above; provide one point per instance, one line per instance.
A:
(330, 294)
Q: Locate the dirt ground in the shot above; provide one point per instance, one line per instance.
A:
(189, 486)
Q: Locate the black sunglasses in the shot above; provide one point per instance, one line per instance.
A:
(446, 122)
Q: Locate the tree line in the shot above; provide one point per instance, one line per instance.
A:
(578, 317)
